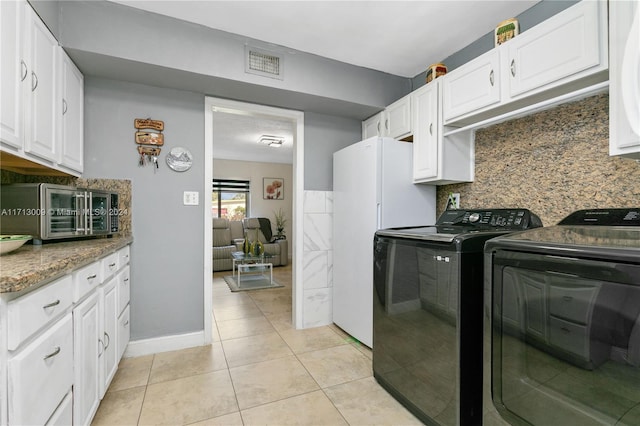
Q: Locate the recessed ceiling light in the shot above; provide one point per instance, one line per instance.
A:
(272, 141)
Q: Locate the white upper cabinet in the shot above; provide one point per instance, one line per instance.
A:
(394, 121)
(397, 123)
(472, 86)
(12, 73)
(426, 131)
(372, 126)
(40, 56)
(624, 80)
(565, 45)
(42, 95)
(71, 134)
(564, 54)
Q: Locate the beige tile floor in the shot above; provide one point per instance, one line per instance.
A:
(258, 370)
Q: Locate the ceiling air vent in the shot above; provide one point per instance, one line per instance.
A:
(264, 63)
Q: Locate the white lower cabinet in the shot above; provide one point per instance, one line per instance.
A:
(41, 374)
(61, 345)
(87, 350)
(108, 361)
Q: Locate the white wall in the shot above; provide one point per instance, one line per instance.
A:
(255, 172)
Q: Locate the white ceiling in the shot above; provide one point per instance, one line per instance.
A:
(397, 37)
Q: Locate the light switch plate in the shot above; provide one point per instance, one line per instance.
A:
(190, 198)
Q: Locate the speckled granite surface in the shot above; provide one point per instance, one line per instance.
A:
(30, 265)
(553, 162)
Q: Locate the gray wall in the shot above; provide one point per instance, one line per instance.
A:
(167, 259)
(121, 40)
(527, 19)
(324, 135)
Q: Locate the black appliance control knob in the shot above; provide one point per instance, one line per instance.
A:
(474, 217)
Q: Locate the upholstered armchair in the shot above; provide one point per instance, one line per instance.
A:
(228, 237)
(277, 248)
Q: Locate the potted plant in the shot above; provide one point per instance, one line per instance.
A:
(281, 221)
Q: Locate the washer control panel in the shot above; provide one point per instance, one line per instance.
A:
(511, 219)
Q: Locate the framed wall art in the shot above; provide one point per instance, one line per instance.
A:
(273, 188)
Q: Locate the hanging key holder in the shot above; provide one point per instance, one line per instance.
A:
(149, 139)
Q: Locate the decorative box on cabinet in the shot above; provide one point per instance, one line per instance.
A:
(624, 69)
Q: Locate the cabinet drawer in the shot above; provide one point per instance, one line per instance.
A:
(123, 256)
(123, 289)
(124, 332)
(110, 265)
(63, 416)
(41, 375)
(30, 313)
(571, 303)
(86, 279)
(570, 337)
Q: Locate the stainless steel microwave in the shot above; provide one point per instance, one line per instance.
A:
(48, 212)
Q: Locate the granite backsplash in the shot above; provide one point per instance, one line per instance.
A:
(553, 162)
(121, 186)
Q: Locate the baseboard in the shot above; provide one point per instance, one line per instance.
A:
(164, 344)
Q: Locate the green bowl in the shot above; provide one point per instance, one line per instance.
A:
(10, 243)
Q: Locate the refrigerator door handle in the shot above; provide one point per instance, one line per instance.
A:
(378, 216)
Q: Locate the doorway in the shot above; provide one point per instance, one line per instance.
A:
(217, 105)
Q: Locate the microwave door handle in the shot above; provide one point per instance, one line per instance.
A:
(90, 212)
(79, 213)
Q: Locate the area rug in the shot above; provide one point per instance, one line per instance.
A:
(250, 282)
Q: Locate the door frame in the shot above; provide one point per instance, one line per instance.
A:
(298, 197)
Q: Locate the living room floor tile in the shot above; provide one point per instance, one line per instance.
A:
(244, 310)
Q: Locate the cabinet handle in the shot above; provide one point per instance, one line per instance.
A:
(386, 124)
(431, 129)
(378, 127)
(107, 339)
(26, 71)
(567, 298)
(102, 346)
(52, 304)
(55, 352)
(34, 81)
(126, 323)
(126, 280)
(64, 107)
(491, 78)
(90, 277)
(566, 330)
(513, 67)
(111, 265)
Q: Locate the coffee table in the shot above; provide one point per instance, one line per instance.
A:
(251, 267)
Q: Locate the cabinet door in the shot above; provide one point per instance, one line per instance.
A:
(397, 122)
(12, 73)
(109, 360)
(372, 126)
(473, 86)
(41, 100)
(72, 105)
(559, 47)
(624, 88)
(425, 132)
(87, 351)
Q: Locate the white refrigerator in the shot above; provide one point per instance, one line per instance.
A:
(372, 189)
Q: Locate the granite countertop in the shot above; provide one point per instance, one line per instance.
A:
(31, 265)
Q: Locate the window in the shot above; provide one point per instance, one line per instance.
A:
(230, 198)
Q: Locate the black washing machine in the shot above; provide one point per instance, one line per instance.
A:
(428, 310)
(563, 322)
